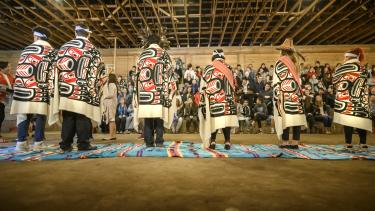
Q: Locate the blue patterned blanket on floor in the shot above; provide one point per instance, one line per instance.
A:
(186, 149)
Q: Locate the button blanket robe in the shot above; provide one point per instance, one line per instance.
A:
(287, 96)
(79, 77)
(352, 96)
(155, 87)
(33, 81)
(217, 105)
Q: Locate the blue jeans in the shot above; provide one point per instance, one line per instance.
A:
(23, 127)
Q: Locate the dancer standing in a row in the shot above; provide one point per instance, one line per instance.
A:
(31, 88)
(287, 96)
(217, 109)
(78, 79)
(352, 97)
(154, 97)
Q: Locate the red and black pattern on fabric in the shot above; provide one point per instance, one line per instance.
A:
(77, 65)
(352, 97)
(154, 76)
(219, 93)
(33, 73)
(286, 92)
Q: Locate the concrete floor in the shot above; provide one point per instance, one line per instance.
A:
(190, 184)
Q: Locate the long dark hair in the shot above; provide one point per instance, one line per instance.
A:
(112, 78)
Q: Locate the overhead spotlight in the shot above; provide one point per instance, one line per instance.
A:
(364, 7)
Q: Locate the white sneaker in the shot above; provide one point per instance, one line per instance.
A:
(40, 145)
(272, 130)
(22, 146)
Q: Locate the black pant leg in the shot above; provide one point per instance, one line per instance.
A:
(2, 114)
(285, 135)
(226, 132)
(159, 130)
(83, 127)
(297, 133)
(188, 123)
(123, 123)
(149, 131)
(362, 136)
(68, 130)
(348, 134)
(213, 135)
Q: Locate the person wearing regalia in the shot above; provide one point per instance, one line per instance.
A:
(352, 108)
(31, 88)
(79, 77)
(287, 95)
(6, 88)
(217, 104)
(154, 98)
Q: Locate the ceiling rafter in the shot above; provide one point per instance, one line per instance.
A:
(283, 19)
(264, 26)
(310, 20)
(342, 27)
(239, 24)
(314, 28)
(295, 21)
(356, 31)
(54, 35)
(105, 23)
(173, 23)
(331, 25)
(124, 30)
(253, 22)
(71, 18)
(226, 23)
(214, 6)
(45, 20)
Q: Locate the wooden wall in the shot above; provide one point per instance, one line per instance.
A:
(126, 58)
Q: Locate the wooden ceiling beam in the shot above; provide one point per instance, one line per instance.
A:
(314, 28)
(370, 38)
(18, 34)
(64, 33)
(173, 23)
(124, 30)
(356, 31)
(121, 5)
(295, 21)
(363, 36)
(226, 23)
(53, 15)
(155, 13)
(4, 42)
(264, 26)
(240, 23)
(310, 20)
(213, 17)
(283, 19)
(199, 23)
(12, 40)
(331, 25)
(105, 42)
(352, 32)
(341, 27)
(141, 14)
(98, 41)
(54, 35)
(122, 40)
(253, 22)
(187, 21)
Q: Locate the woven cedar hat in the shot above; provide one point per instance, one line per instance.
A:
(288, 46)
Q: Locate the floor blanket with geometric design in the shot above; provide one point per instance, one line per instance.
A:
(187, 149)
